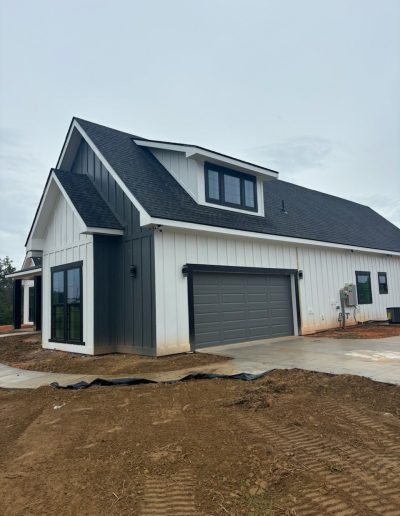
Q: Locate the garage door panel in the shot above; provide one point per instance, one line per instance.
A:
(238, 307)
(234, 315)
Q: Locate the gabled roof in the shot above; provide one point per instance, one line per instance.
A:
(93, 212)
(310, 214)
(87, 201)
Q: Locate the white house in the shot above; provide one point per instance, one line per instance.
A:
(156, 248)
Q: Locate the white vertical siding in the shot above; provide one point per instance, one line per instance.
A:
(64, 244)
(184, 170)
(325, 272)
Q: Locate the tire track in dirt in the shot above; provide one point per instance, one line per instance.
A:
(365, 489)
(387, 437)
(172, 496)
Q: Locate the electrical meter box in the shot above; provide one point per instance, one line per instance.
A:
(351, 294)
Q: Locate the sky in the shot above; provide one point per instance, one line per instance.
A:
(310, 88)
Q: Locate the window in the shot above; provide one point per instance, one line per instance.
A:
(364, 292)
(382, 281)
(230, 188)
(66, 303)
(31, 304)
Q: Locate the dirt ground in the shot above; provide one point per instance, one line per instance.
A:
(290, 443)
(362, 331)
(26, 352)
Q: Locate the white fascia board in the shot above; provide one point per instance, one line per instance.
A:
(27, 274)
(176, 224)
(102, 231)
(38, 242)
(214, 157)
(144, 216)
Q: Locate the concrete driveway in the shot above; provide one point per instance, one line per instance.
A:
(378, 359)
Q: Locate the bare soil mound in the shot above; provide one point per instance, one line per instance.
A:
(292, 442)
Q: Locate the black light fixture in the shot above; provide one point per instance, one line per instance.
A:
(300, 274)
(132, 270)
(185, 270)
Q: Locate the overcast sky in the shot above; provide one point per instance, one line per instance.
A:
(310, 88)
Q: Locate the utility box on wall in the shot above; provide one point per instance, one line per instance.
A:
(350, 294)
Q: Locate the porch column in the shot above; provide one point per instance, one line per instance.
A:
(38, 303)
(17, 308)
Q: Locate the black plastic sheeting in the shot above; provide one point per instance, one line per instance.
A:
(103, 382)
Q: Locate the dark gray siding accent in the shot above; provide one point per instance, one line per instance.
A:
(124, 306)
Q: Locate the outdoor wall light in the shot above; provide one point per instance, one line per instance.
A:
(185, 270)
(132, 270)
(300, 274)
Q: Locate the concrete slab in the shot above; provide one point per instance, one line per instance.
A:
(378, 359)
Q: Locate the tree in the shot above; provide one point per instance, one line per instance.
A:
(6, 291)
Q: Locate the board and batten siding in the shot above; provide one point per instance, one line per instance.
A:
(124, 309)
(63, 244)
(325, 271)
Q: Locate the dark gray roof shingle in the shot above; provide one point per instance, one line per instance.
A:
(88, 202)
(311, 214)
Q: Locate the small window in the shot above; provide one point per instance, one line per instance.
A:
(364, 291)
(230, 188)
(66, 304)
(383, 285)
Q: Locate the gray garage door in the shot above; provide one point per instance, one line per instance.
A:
(231, 307)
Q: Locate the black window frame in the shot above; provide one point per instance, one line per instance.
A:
(233, 173)
(364, 273)
(64, 269)
(386, 288)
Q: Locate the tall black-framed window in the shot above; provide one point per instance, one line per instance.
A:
(383, 283)
(230, 188)
(364, 290)
(66, 303)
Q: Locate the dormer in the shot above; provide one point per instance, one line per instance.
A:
(213, 179)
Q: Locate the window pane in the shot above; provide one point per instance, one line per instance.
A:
(382, 279)
(74, 322)
(249, 193)
(213, 185)
(58, 288)
(59, 318)
(73, 286)
(364, 289)
(232, 189)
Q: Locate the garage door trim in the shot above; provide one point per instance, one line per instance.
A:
(190, 268)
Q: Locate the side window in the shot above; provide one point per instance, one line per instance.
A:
(383, 284)
(364, 291)
(66, 305)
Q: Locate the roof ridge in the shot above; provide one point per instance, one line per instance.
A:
(78, 119)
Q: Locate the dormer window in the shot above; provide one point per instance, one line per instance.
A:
(230, 188)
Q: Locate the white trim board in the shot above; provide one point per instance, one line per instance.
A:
(27, 274)
(176, 224)
(192, 151)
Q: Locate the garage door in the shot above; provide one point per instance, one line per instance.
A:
(232, 307)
